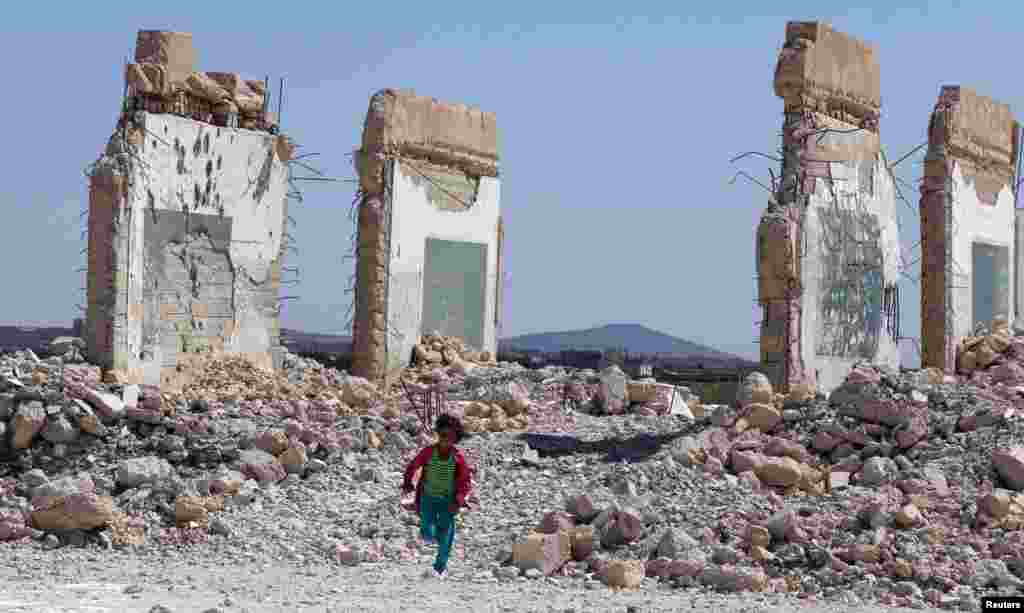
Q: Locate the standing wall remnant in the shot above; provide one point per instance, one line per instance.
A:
(827, 245)
(968, 221)
(429, 233)
(187, 217)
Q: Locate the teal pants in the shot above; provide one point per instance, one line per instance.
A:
(437, 523)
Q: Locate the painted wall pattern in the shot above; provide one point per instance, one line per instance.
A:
(852, 283)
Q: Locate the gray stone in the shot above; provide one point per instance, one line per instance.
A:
(59, 430)
(151, 470)
(6, 406)
(676, 543)
(878, 470)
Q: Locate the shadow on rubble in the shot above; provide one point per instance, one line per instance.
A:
(634, 449)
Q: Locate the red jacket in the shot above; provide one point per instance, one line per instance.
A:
(463, 483)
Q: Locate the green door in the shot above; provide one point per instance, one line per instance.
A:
(454, 290)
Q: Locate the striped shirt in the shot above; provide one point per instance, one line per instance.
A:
(440, 475)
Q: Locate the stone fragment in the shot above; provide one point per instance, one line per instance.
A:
(756, 388)
(676, 543)
(764, 417)
(734, 579)
(555, 521)
(190, 510)
(582, 542)
(261, 466)
(544, 552)
(623, 526)
(29, 420)
(107, 405)
(75, 512)
(13, 525)
(149, 470)
(877, 471)
(1009, 463)
(759, 536)
(908, 516)
(624, 574)
(294, 459)
(779, 471)
(59, 430)
(581, 508)
(640, 391)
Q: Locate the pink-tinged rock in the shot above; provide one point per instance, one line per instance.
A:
(581, 507)
(915, 432)
(261, 466)
(713, 466)
(750, 479)
(13, 525)
(555, 521)
(1009, 463)
(347, 555)
(1007, 372)
(824, 442)
(856, 438)
(708, 536)
(744, 461)
(716, 443)
(624, 527)
(108, 405)
(657, 567)
(685, 568)
(780, 447)
(967, 423)
(889, 412)
(863, 374)
(785, 526)
(145, 413)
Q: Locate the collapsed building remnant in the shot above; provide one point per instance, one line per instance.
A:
(827, 246)
(968, 222)
(187, 212)
(429, 230)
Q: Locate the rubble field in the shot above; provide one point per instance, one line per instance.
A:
(250, 489)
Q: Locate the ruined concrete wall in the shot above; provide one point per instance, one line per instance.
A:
(966, 200)
(828, 245)
(186, 236)
(428, 176)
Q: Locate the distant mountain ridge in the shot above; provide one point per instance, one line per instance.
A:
(635, 338)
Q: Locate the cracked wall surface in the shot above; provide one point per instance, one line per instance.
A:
(429, 229)
(967, 201)
(186, 230)
(827, 246)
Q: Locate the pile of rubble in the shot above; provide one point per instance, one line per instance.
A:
(435, 350)
(905, 488)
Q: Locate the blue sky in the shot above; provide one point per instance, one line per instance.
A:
(616, 135)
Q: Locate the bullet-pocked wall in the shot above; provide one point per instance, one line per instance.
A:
(186, 222)
(968, 222)
(430, 233)
(828, 246)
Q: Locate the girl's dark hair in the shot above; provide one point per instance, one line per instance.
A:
(450, 422)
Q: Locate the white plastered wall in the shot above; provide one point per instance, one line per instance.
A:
(240, 162)
(881, 200)
(413, 220)
(976, 221)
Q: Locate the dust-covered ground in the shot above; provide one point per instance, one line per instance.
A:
(121, 582)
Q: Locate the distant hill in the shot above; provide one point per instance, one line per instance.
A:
(635, 338)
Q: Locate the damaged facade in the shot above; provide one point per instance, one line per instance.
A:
(828, 245)
(429, 230)
(968, 225)
(187, 213)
